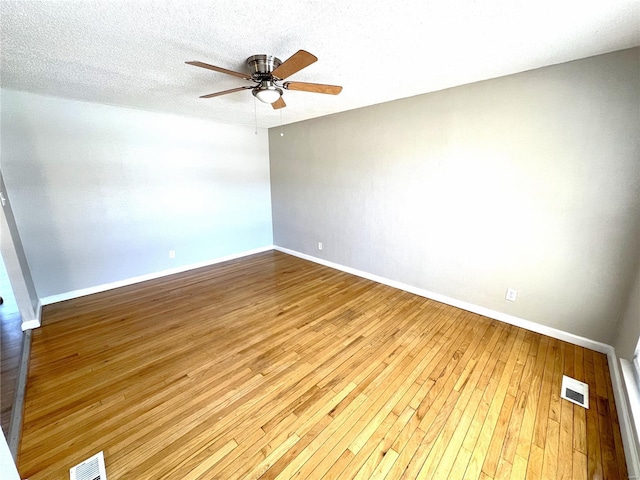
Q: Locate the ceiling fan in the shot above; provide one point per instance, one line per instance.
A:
(268, 73)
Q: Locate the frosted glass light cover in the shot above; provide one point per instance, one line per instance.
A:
(268, 95)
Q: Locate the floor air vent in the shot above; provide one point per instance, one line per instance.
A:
(575, 391)
(91, 469)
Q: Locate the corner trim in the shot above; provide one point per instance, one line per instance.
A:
(17, 412)
(626, 429)
(30, 324)
(143, 278)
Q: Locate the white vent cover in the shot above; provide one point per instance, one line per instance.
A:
(575, 391)
(91, 469)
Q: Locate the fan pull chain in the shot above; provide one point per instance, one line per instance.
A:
(281, 132)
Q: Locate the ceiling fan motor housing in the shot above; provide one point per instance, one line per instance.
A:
(261, 66)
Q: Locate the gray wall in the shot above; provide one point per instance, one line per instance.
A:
(530, 181)
(101, 194)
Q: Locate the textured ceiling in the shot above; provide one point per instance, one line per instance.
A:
(132, 53)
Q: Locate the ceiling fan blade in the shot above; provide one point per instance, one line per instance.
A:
(278, 104)
(219, 69)
(313, 87)
(294, 63)
(224, 92)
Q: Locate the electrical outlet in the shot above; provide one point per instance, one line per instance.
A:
(172, 254)
(512, 294)
(320, 246)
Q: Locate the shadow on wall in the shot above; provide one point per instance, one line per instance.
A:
(10, 348)
(24, 186)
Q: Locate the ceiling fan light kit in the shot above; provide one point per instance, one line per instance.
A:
(267, 92)
(268, 72)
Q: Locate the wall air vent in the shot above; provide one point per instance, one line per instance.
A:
(91, 469)
(575, 391)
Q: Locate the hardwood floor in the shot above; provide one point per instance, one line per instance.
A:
(273, 367)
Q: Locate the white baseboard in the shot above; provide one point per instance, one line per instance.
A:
(30, 324)
(34, 322)
(633, 462)
(630, 400)
(487, 312)
(143, 278)
(626, 429)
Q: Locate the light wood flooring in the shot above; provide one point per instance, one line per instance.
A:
(274, 367)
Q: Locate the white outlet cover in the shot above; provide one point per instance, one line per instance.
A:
(512, 294)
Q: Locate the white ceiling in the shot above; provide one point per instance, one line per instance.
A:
(132, 53)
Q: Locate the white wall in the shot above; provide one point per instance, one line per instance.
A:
(101, 194)
(16, 264)
(629, 329)
(7, 465)
(626, 342)
(530, 181)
